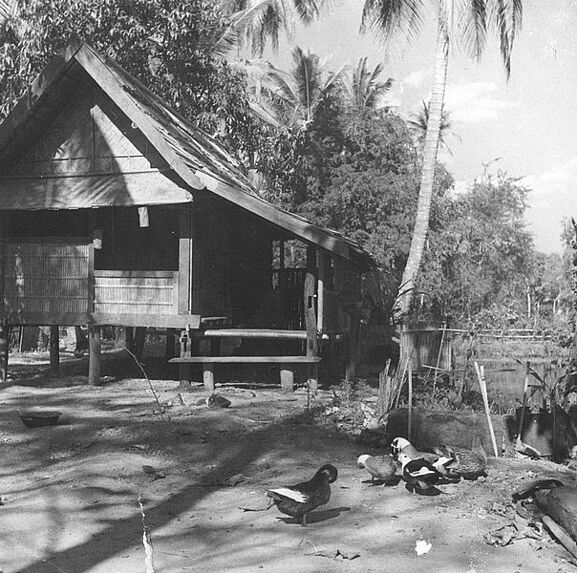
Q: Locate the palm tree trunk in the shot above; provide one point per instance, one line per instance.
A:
(407, 288)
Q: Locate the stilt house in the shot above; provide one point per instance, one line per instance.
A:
(114, 210)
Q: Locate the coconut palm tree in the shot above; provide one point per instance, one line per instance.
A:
(419, 121)
(366, 90)
(295, 96)
(466, 22)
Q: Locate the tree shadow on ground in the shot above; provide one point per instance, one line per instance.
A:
(222, 456)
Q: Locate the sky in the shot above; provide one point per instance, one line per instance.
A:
(526, 126)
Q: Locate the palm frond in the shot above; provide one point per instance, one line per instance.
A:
(308, 10)
(473, 27)
(8, 9)
(265, 112)
(505, 16)
(366, 91)
(278, 84)
(388, 18)
(242, 22)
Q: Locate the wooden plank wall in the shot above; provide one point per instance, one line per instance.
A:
(210, 260)
(252, 299)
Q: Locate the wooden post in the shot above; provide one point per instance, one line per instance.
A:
(321, 290)
(352, 348)
(129, 339)
(185, 256)
(311, 325)
(524, 405)
(281, 269)
(286, 378)
(310, 315)
(94, 362)
(410, 428)
(208, 376)
(170, 345)
(481, 376)
(4, 339)
(185, 369)
(139, 340)
(54, 349)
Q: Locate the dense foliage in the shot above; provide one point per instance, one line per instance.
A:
(171, 46)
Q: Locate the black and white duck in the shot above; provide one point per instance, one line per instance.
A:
(403, 446)
(468, 464)
(382, 468)
(300, 499)
(419, 474)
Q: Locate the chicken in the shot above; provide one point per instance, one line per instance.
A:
(300, 499)
(418, 473)
(382, 468)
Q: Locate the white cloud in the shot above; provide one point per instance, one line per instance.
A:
(414, 80)
(553, 196)
(474, 102)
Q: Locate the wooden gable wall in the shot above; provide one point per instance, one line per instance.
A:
(89, 136)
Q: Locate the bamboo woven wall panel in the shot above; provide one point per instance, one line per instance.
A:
(135, 295)
(46, 277)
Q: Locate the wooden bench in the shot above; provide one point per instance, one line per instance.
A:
(287, 364)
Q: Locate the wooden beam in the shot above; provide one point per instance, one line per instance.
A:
(256, 333)
(94, 361)
(135, 274)
(102, 319)
(152, 320)
(247, 359)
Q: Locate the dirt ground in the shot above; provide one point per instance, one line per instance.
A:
(70, 493)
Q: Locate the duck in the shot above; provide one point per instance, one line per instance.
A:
(466, 464)
(382, 468)
(418, 473)
(402, 445)
(300, 499)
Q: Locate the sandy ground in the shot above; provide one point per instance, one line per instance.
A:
(70, 493)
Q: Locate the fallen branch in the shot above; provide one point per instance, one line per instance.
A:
(160, 407)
